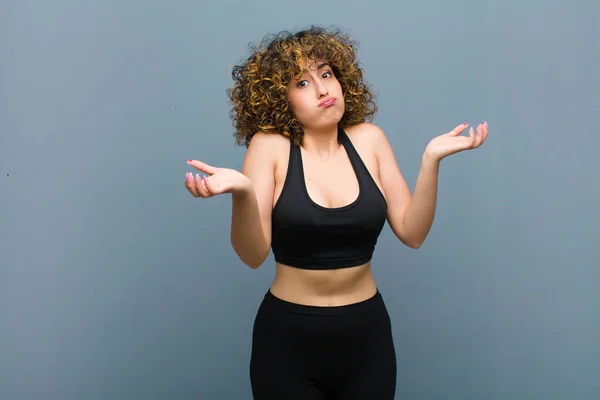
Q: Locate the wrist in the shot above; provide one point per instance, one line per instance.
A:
(430, 159)
(243, 188)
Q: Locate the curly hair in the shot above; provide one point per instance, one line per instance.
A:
(259, 94)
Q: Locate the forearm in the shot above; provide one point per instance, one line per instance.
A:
(420, 212)
(247, 235)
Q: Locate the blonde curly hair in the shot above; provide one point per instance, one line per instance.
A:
(259, 94)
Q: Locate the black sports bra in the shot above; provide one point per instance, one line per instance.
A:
(309, 236)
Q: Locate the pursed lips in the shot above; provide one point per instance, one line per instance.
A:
(327, 102)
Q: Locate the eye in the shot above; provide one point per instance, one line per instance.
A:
(301, 84)
(327, 73)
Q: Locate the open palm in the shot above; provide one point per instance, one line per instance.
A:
(218, 181)
(453, 142)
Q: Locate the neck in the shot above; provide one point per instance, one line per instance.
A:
(322, 142)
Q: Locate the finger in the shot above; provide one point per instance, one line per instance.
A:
(458, 130)
(472, 136)
(478, 137)
(485, 130)
(191, 185)
(209, 189)
(201, 166)
(201, 187)
(483, 133)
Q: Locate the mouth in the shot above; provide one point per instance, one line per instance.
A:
(327, 102)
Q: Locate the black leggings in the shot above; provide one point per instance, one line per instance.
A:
(309, 352)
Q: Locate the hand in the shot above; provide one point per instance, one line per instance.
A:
(451, 142)
(219, 181)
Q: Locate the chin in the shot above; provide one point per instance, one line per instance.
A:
(334, 119)
(338, 116)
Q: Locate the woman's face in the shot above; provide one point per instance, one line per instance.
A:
(316, 98)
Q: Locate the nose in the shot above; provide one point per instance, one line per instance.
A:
(321, 89)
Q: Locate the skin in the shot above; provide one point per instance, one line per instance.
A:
(331, 182)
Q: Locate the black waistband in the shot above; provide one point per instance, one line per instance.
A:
(376, 300)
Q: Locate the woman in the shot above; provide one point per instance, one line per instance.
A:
(317, 185)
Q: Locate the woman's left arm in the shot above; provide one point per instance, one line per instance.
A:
(411, 215)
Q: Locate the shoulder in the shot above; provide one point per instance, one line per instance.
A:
(265, 149)
(365, 131)
(368, 136)
(267, 142)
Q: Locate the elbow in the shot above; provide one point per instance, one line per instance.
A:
(414, 245)
(409, 237)
(251, 254)
(251, 259)
(411, 242)
(414, 240)
(253, 264)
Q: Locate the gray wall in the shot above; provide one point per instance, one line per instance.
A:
(116, 284)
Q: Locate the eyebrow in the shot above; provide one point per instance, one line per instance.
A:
(320, 66)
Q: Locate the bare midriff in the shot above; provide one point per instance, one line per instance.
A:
(328, 288)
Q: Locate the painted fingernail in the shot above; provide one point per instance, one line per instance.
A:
(189, 161)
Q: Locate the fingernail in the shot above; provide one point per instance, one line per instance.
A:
(189, 161)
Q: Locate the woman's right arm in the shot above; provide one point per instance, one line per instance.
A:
(251, 207)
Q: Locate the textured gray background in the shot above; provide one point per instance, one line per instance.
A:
(116, 284)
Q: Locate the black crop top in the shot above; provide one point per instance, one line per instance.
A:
(309, 236)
